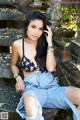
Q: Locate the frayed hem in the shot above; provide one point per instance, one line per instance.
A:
(21, 106)
(37, 117)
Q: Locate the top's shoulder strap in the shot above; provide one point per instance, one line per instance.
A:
(23, 46)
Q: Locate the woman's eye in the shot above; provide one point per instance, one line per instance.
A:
(33, 26)
(41, 29)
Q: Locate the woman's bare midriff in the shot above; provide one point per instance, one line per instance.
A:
(29, 73)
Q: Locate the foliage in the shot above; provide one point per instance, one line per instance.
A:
(69, 19)
(68, 14)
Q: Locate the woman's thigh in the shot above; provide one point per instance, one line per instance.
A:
(73, 94)
(31, 104)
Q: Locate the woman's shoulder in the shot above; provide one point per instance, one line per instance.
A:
(17, 43)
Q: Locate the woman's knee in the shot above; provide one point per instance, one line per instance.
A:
(73, 94)
(31, 105)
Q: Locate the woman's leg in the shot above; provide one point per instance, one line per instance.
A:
(73, 95)
(32, 107)
(64, 97)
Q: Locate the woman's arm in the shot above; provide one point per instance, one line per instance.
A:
(50, 58)
(15, 70)
(14, 59)
(50, 61)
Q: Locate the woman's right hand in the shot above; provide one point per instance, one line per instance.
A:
(20, 86)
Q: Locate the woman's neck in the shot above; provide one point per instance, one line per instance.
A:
(34, 43)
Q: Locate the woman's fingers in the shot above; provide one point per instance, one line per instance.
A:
(20, 87)
(48, 34)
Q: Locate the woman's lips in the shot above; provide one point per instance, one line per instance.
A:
(34, 36)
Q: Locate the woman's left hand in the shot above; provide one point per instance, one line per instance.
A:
(48, 34)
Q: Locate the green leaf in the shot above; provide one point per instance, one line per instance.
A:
(64, 8)
(1, 104)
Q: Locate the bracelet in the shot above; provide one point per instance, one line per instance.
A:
(16, 75)
(51, 48)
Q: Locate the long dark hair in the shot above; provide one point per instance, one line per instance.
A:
(41, 48)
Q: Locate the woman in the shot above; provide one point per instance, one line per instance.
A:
(39, 87)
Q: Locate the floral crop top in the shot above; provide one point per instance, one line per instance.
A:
(27, 64)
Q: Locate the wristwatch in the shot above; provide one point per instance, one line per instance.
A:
(16, 75)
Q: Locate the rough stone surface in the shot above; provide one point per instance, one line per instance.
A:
(75, 50)
(9, 98)
(20, 6)
(8, 35)
(63, 80)
(5, 71)
(71, 72)
(78, 34)
(62, 50)
(12, 16)
(13, 4)
(61, 33)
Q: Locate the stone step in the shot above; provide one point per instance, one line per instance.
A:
(9, 3)
(72, 72)
(5, 71)
(18, 5)
(62, 50)
(62, 45)
(11, 14)
(63, 80)
(71, 67)
(75, 50)
(9, 99)
(63, 34)
(63, 55)
(15, 3)
(8, 35)
(14, 10)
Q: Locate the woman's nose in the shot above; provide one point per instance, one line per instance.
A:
(36, 31)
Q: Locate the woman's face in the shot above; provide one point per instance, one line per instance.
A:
(35, 29)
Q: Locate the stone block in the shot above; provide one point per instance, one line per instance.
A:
(8, 35)
(6, 42)
(5, 71)
(62, 50)
(63, 33)
(12, 16)
(72, 72)
(75, 50)
(19, 5)
(71, 67)
(63, 80)
(62, 55)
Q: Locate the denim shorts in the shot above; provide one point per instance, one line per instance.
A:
(48, 93)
